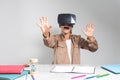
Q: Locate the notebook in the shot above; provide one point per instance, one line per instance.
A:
(73, 69)
(114, 68)
(11, 69)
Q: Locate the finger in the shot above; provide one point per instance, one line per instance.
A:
(40, 27)
(41, 20)
(49, 28)
(84, 31)
(88, 26)
(46, 20)
(93, 26)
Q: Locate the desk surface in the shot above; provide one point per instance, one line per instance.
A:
(45, 74)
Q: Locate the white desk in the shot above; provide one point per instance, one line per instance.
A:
(45, 74)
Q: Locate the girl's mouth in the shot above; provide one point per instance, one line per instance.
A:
(66, 27)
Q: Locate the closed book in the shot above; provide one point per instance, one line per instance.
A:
(11, 69)
(114, 68)
(21, 76)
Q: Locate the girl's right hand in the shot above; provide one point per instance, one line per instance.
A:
(45, 28)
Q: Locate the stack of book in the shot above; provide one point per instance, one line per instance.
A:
(13, 72)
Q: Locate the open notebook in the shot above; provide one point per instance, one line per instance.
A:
(73, 69)
(11, 69)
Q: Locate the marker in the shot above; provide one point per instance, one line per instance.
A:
(90, 77)
(78, 76)
(102, 75)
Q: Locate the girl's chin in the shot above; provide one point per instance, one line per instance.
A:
(66, 32)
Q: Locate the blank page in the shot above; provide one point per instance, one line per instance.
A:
(84, 69)
(62, 69)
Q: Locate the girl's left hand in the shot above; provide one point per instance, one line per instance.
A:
(89, 29)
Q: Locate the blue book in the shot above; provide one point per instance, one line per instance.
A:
(114, 68)
(14, 76)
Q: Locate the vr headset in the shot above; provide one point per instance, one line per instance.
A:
(66, 19)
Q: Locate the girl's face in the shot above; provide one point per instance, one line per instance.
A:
(66, 28)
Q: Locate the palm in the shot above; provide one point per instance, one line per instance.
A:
(44, 25)
(89, 29)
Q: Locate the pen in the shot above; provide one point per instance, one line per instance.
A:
(78, 76)
(102, 75)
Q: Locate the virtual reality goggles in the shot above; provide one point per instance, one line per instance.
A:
(66, 19)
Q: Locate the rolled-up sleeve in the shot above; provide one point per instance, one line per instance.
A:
(89, 44)
(50, 42)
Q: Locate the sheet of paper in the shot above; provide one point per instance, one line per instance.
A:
(84, 69)
(62, 69)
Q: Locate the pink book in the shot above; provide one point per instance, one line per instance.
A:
(11, 69)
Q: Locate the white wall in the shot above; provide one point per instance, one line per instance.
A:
(21, 39)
